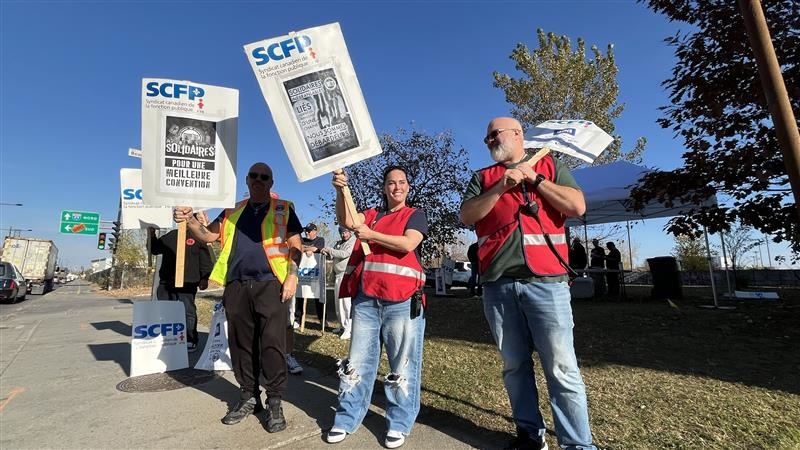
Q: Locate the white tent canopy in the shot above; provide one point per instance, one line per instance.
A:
(607, 190)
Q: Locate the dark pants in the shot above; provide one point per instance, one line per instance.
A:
(186, 295)
(473, 283)
(613, 282)
(257, 335)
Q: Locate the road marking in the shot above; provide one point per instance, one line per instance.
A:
(14, 392)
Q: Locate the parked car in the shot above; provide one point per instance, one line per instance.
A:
(461, 273)
(13, 285)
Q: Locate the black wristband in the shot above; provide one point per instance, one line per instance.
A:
(538, 181)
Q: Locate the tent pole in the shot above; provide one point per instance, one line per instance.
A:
(710, 269)
(630, 251)
(725, 263)
(585, 234)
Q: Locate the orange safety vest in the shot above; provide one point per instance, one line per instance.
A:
(273, 239)
(495, 228)
(384, 273)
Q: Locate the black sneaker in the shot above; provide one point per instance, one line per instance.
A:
(523, 441)
(276, 421)
(243, 409)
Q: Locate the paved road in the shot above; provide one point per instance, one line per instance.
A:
(63, 354)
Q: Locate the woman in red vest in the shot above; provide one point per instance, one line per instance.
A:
(388, 307)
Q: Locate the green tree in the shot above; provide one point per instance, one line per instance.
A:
(737, 243)
(559, 83)
(690, 252)
(131, 249)
(437, 172)
(719, 108)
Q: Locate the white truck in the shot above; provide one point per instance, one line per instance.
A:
(35, 258)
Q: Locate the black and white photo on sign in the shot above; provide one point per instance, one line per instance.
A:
(189, 154)
(321, 113)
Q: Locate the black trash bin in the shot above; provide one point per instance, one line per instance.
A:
(666, 277)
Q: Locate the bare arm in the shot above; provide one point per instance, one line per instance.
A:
(295, 254)
(342, 216)
(204, 233)
(406, 243)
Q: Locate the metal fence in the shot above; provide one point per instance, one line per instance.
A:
(740, 279)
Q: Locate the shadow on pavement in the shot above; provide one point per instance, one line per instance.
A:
(114, 325)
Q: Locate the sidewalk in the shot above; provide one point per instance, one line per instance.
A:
(63, 354)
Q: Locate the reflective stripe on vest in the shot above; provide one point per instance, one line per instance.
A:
(394, 269)
(538, 239)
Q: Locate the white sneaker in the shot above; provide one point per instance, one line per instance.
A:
(394, 439)
(295, 325)
(345, 335)
(335, 436)
(191, 347)
(292, 365)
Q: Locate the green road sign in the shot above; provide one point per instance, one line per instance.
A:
(79, 222)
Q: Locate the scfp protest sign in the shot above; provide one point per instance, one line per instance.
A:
(135, 214)
(188, 143)
(311, 88)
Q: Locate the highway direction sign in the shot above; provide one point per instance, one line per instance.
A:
(79, 222)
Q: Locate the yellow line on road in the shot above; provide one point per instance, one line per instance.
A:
(14, 392)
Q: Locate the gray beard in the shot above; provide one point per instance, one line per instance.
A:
(502, 152)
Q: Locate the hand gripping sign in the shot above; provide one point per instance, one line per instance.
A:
(312, 91)
(578, 138)
(188, 148)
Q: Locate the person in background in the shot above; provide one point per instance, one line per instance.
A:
(388, 310)
(473, 284)
(340, 254)
(196, 269)
(577, 255)
(313, 243)
(261, 250)
(613, 260)
(514, 205)
(597, 263)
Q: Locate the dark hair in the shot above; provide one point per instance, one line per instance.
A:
(386, 172)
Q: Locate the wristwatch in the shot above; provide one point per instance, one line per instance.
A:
(538, 181)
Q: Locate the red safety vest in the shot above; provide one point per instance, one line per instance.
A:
(496, 227)
(384, 273)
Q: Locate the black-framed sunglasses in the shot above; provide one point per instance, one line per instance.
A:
(263, 176)
(494, 133)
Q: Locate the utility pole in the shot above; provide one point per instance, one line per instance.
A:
(775, 90)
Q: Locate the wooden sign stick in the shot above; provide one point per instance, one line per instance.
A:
(532, 162)
(350, 206)
(180, 254)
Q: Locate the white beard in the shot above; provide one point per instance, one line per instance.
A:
(502, 152)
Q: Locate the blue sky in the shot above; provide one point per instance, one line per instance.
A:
(71, 80)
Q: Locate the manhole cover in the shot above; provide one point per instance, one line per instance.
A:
(169, 381)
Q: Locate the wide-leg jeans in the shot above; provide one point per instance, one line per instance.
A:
(375, 321)
(527, 316)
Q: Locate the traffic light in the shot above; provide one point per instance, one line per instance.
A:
(101, 241)
(116, 228)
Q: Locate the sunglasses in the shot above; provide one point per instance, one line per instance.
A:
(494, 133)
(263, 176)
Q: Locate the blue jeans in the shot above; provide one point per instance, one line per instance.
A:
(525, 317)
(376, 321)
